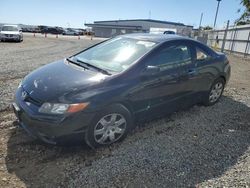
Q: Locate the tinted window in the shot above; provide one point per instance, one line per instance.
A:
(117, 54)
(172, 55)
(201, 54)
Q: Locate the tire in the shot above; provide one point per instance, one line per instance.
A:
(109, 126)
(19, 39)
(215, 92)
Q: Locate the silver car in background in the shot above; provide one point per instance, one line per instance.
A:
(11, 33)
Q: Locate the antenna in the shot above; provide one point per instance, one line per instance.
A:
(149, 14)
(201, 20)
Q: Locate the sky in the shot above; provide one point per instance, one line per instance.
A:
(74, 13)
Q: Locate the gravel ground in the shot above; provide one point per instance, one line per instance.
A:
(199, 147)
(18, 59)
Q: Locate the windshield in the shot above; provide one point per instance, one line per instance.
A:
(117, 54)
(9, 28)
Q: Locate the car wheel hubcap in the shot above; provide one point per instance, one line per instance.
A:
(216, 92)
(110, 128)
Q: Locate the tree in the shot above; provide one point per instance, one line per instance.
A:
(245, 17)
(246, 3)
(207, 28)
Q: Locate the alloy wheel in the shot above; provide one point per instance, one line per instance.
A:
(110, 128)
(215, 92)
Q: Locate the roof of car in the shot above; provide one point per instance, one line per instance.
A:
(155, 37)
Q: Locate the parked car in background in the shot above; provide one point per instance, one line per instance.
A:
(36, 30)
(31, 30)
(99, 93)
(81, 31)
(52, 30)
(90, 33)
(169, 32)
(25, 30)
(70, 31)
(11, 33)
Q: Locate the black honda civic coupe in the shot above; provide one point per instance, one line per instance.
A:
(98, 94)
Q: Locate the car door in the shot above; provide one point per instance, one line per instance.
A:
(189, 75)
(194, 76)
(204, 61)
(161, 90)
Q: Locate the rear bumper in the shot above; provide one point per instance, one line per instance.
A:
(56, 130)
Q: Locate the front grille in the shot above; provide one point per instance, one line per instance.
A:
(33, 101)
(8, 35)
(30, 99)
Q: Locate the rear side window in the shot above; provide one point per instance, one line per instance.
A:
(201, 55)
(172, 55)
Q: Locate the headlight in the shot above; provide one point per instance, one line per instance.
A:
(59, 108)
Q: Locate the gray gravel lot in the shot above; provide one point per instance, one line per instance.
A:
(198, 147)
(18, 59)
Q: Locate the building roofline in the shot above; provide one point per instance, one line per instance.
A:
(156, 37)
(113, 26)
(148, 20)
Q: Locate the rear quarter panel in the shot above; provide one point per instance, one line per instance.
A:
(209, 70)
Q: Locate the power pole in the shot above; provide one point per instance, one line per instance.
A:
(201, 20)
(215, 19)
(225, 37)
(149, 14)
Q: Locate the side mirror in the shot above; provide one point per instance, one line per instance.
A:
(150, 70)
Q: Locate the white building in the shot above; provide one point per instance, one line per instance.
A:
(118, 27)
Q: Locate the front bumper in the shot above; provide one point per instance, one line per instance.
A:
(48, 128)
(10, 37)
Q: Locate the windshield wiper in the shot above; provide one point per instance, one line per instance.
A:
(77, 63)
(93, 66)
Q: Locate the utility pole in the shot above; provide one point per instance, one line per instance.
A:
(201, 20)
(225, 37)
(149, 14)
(215, 19)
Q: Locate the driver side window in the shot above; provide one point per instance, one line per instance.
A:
(172, 56)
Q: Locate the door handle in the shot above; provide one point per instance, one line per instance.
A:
(191, 71)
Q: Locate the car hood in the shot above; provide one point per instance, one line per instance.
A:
(10, 32)
(57, 79)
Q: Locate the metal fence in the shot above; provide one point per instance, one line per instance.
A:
(235, 39)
